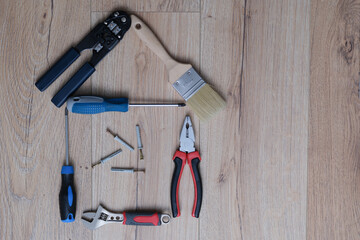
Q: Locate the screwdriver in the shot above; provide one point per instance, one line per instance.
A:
(67, 197)
(93, 105)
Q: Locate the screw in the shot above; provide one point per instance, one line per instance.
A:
(123, 19)
(116, 14)
(129, 170)
(102, 161)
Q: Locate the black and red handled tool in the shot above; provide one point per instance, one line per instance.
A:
(142, 218)
(186, 154)
(93, 220)
(102, 39)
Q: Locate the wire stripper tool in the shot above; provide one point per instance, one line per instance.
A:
(102, 39)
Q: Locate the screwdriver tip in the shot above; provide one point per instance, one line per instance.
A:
(94, 165)
(108, 131)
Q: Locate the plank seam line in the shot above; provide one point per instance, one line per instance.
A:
(240, 95)
(242, 60)
(50, 24)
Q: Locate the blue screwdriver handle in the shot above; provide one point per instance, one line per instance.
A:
(67, 196)
(93, 105)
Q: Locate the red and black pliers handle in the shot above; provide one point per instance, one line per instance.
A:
(180, 159)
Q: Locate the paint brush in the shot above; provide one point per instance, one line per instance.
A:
(201, 98)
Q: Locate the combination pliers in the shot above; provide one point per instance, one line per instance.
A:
(186, 154)
(102, 39)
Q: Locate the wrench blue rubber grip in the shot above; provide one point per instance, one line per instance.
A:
(108, 105)
(73, 84)
(57, 69)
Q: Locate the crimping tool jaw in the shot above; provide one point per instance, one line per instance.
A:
(104, 37)
(107, 35)
(187, 136)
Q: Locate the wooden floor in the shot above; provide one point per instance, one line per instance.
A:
(281, 162)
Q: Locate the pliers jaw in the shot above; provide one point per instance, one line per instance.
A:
(187, 136)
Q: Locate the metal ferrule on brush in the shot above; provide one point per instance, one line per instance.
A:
(188, 84)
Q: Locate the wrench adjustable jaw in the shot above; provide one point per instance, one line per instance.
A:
(100, 218)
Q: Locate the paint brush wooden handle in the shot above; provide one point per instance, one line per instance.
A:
(175, 69)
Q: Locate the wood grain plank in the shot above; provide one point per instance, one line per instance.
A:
(180, 33)
(133, 71)
(32, 140)
(274, 119)
(257, 176)
(333, 176)
(221, 62)
(148, 6)
(115, 191)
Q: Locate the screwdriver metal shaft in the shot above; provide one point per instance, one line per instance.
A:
(67, 136)
(157, 104)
